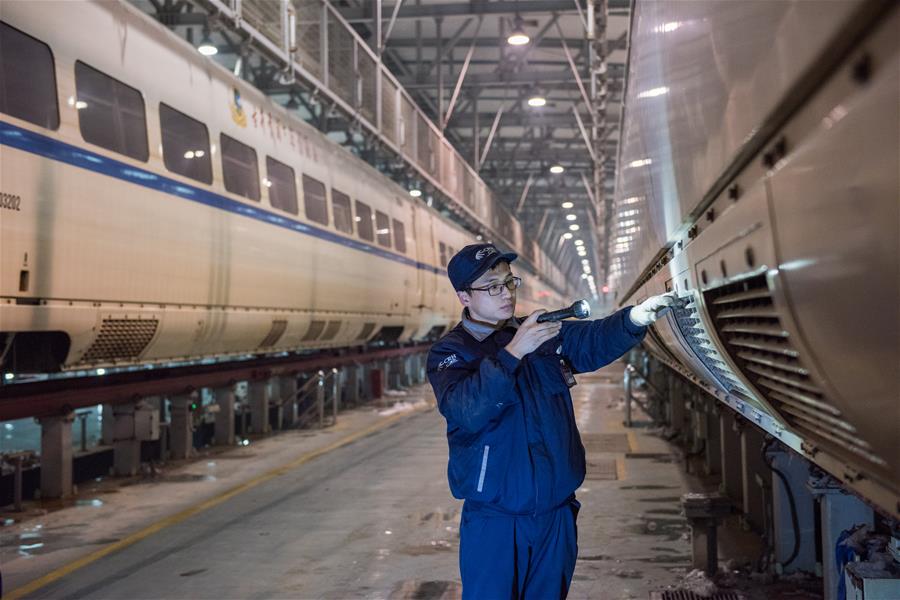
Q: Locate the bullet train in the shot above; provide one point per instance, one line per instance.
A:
(156, 208)
(758, 180)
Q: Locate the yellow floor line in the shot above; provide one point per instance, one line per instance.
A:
(632, 442)
(189, 512)
(621, 473)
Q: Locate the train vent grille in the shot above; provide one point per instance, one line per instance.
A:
(330, 331)
(694, 333)
(121, 339)
(748, 324)
(366, 331)
(278, 328)
(689, 595)
(315, 329)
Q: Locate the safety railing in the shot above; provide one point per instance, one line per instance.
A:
(312, 400)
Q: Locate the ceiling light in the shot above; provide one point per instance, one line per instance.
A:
(585, 262)
(557, 169)
(415, 193)
(643, 162)
(571, 217)
(574, 227)
(567, 205)
(537, 101)
(567, 236)
(579, 242)
(206, 47)
(518, 37)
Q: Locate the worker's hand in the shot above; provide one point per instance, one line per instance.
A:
(652, 308)
(532, 334)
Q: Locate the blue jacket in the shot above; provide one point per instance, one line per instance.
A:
(514, 444)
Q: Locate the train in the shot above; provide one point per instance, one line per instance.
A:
(758, 181)
(157, 209)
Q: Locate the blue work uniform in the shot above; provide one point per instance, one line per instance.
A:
(515, 454)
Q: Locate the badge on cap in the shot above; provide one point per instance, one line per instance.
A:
(485, 252)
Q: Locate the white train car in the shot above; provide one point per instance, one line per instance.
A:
(156, 208)
(759, 180)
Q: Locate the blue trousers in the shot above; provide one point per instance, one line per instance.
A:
(515, 557)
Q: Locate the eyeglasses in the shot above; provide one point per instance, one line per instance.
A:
(495, 290)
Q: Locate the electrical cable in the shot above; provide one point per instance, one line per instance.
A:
(793, 505)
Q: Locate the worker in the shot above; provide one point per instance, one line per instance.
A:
(516, 458)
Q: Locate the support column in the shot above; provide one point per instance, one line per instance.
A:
(713, 454)
(366, 383)
(839, 512)
(277, 401)
(351, 393)
(757, 478)
(258, 396)
(288, 388)
(56, 456)
(181, 427)
(796, 471)
(107, 425)
(126, 445)
(223, 432)
(732, 480)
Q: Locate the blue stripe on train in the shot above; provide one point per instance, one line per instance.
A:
(35, 143)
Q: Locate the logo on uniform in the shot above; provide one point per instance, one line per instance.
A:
(485, 252)
(447, 362)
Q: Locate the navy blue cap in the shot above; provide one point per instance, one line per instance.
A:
(472, 262)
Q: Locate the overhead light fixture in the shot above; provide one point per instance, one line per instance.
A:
(537, 101)
(518, 37)
(567, 236)
(574, 227)
(579, 242)
(567, 205)
(585, 262)
(642, 162)
(557, 169)
(571, 217)
(206, 47)
(415, 193)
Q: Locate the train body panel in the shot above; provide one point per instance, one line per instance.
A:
(767, 197)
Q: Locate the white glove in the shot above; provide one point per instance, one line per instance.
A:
(652, 308)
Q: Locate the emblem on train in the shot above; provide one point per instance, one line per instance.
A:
(485, 252)
(237, 111)
(447, 362)
(10, 201)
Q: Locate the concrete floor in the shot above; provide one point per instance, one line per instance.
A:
(370, 519)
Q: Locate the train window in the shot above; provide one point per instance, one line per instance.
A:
(443, 254)
(399, 236)
(27, 79)
(314, 200)
(340, 207)
(383, 228)
(110, 113)
(282, 186)
(185, 143)
(239, 168)
(364, 221)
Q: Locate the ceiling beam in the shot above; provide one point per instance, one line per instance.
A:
(478, 7)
